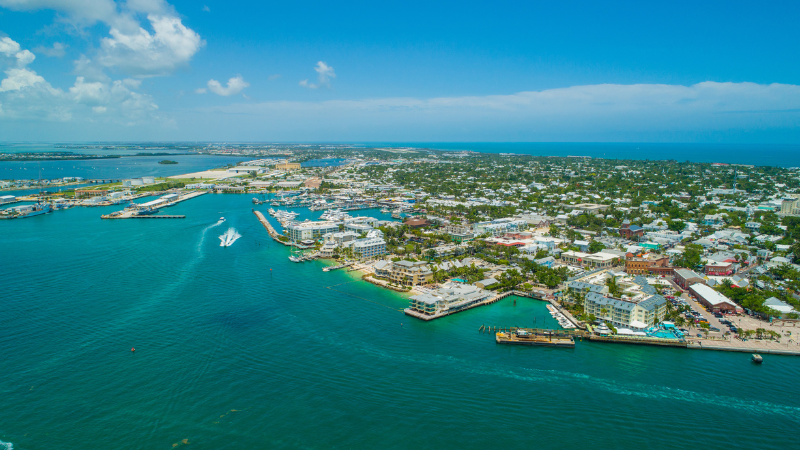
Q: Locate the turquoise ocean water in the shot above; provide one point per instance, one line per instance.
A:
(238, 348)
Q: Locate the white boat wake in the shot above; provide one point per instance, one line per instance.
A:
(229, 238)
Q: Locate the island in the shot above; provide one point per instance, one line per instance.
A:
(167, 161)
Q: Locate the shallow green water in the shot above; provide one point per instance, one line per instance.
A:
(233, 355)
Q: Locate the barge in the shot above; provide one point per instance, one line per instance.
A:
(545, 338)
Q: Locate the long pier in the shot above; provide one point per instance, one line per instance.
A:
(130, 214)
(159, 217)
(270, 230)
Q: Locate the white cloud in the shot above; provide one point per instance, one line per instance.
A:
(324, 75)
(200, 91)
(592, 112)
(8, 46)
(24, 58)
(25, 94)
(235, 85)
(130, 48)
(206, 8)
(17, 79)
(171, 46)
(57, 50)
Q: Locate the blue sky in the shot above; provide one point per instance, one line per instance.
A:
(399, 71)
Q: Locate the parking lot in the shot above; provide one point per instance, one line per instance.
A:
(790, 335)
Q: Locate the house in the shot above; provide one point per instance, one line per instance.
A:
(536, 221)
(780, 306)
(416, 222)
(547, 261)
(685, 278)
(582, 245)
(652, 264)
(592, 261)
(719, 268)
(714, 220)
(483, 284)
(629, 231)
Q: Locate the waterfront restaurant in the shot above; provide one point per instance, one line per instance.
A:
(449, 298)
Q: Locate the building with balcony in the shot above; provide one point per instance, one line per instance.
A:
(625, 313)
(300, 231)
(449, 298)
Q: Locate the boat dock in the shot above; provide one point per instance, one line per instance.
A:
(340, 266)
(133, 213)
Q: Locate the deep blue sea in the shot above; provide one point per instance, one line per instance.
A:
(239, 348)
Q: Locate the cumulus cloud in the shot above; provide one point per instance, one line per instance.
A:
(8, 46)
(57, 50)
(24, 94)
(324, 75)
(165, 46)
(593, 112)
(17, 79)
(235, 85)
(142, 53)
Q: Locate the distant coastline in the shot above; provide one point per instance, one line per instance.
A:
(778, 155)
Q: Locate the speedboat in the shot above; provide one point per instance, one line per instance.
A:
(222, 219)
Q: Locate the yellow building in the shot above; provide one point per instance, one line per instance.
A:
(288, 166)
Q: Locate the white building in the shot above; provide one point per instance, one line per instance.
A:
(369, 247)
(301, 231)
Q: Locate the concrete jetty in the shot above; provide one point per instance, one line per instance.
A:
(132, 213)
(270, 230)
